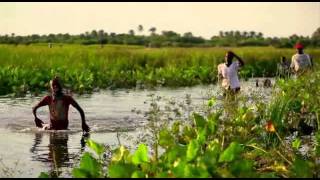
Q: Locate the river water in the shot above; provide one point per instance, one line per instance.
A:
(25, 151)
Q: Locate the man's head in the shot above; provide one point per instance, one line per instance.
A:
(228, 57)
(55, 86)
(299, 48)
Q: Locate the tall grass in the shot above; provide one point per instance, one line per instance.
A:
(83, 68)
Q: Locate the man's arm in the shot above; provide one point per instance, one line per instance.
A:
(239, 59)
(85, 127)
(220, 77)
(43, 102)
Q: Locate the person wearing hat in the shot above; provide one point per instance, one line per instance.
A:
(300, 62)
(58, 104)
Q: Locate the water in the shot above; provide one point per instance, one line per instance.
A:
(25, 151)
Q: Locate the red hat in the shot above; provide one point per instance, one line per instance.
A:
(298, 46)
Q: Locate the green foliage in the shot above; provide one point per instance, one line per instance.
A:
(302, 169)
(192, 150)
(83, 69)
(296, 143)
(231, 152)
(43, 175)
(212, 145)
(141, 155)
(89, 167)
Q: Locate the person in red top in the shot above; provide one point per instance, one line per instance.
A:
(58, 106)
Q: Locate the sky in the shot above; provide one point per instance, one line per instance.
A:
(273, 19)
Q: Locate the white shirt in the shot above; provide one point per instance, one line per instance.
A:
(300, 61)
(230, 75)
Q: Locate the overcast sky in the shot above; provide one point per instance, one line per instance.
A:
(202, 19)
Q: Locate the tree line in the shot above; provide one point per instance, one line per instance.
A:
(165, 39)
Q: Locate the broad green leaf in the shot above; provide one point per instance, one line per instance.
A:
(189, 133)
(165, 138)
(119, 154)
(301, 169)
(242, 168)
(176, 127)
(162, 175)
(80, 173)
(192, 150)
(120, 170)
(175, 152)
(210, 159)
(178, 170)
(138, 174)
(202, 136)
(89, 166)
(212, 122)
(296, 143)
(44, 175)
(229, 154)
(141, 155)
(199, 121)
(97, 148)
(212, 102)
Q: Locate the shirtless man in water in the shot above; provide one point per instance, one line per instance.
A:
(58, 106)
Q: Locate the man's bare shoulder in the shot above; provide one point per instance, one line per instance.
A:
(46, 97)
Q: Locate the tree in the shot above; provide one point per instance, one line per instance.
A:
(252, 34)
(232, 33)
(153, 30)
(188, 35)
(94, 34)
(140, 28)
(221, 34)
(316, 34)
(260, 35)
(87, 35)
(245, 34)
(237, 34)
(131, 32)
(101, 37)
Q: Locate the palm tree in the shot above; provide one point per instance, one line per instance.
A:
(131, 32)
(252, 34)
(316, 34)
(226, 34)
(140, 28)
(221, 33)
(188, 35)
(237, 34)
(153, 30)
(94, 33)
(260, 35)
(87, 34)
(101, 37)
(232, 33)
(245, 34)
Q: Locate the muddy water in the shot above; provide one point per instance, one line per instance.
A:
(25, 151)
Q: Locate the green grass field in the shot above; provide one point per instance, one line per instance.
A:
(84, 68)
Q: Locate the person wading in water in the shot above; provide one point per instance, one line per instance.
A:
(58, 104)
(228, 72)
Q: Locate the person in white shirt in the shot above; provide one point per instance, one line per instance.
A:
(228, 72)
(300, 62)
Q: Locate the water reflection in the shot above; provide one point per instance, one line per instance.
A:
(56, 153)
